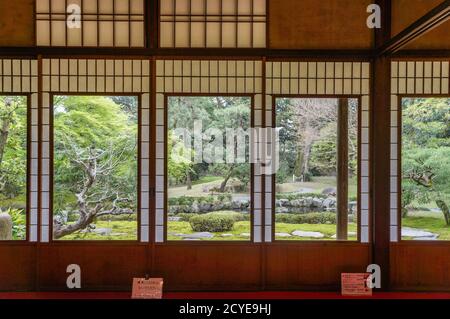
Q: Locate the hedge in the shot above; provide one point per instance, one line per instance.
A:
(309, 218)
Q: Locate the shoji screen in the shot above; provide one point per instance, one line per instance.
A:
(21, 77)
(101, 76)
(320, 79)
(103, 23)
(200, 77)
(415, 79)
(213, 23)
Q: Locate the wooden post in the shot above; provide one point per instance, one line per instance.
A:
(342, 170)
(380, 150)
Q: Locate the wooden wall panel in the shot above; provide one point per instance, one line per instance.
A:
(405, 12)
(17, 23)
(420, 266)
(17, 267)
(103, 267)
(325, 24)
(315, 266)
(208, 266)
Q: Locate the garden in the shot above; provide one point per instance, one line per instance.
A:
(425, 169)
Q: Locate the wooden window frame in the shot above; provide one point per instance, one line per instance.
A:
(138, 172)
(274, 192)
(400, 99)
(26, 240)
(252, 171)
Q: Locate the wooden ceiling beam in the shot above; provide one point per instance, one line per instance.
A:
(428, 22)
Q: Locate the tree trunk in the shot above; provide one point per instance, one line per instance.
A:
(4, 132)
(188, 179)
(444, 208)
(305, 166)
(227, 178)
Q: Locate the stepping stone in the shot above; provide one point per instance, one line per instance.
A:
(350, 234)
(282, 235)
(202, 235)
(418, 233)
(308, 234)
(227, 235)
(245, 235)
(103, 231)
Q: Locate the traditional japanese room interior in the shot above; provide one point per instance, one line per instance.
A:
(225, 146)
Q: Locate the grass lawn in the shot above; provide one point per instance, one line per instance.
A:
(125, 230)
(432, 224)
(317, 185)
(185, 228)
(327, 229)
(244, 227)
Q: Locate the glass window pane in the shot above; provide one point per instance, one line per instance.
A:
(307, 193)
(209, 173)
(13, 167)
(425, 169)
(95, 168)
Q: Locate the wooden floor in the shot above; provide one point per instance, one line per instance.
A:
(223, 295)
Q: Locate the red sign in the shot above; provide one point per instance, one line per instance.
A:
(150, 288)
(355, 284)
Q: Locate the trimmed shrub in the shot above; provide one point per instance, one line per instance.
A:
(309, 218)
(211, 223)
(185, 217)
(238, 217)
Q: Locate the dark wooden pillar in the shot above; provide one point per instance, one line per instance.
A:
(342, 170)
(380, 155)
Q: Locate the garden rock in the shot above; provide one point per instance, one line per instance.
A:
(282, 235)
(316, 202)
(350, 234)
(6, 225)
(329, 191)
(227, 235)
(103, 231)
(309, 234)
(245, 235)
(201, 235)
(418, 234)
(329, 202)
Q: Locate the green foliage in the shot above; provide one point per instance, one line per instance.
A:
(211, 223)
(309, 218)
(13, 147)
(238, 217)
(426, 153)
(185, 217)
(94, 126)
(220, 113)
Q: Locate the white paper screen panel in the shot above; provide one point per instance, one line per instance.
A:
(322, 79)
(103, 23)
(412, 78)
(105, 76)
(205, 77)
(213, 23)
(21, 77)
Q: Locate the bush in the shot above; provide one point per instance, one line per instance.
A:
(310, 218)
(185, 217)
(238, 217)
(211, 223)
